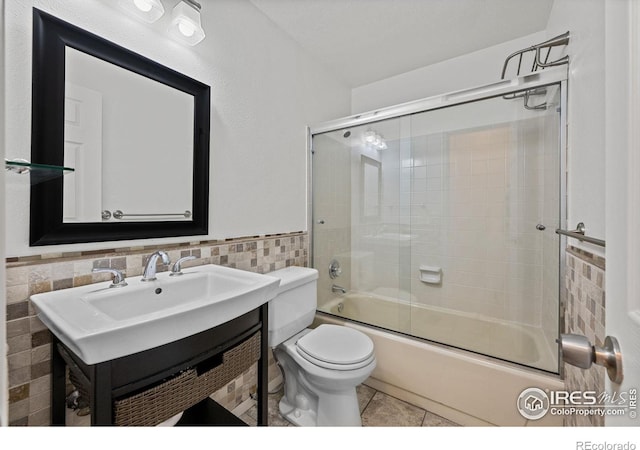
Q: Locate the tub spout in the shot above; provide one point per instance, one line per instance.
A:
(335, 288)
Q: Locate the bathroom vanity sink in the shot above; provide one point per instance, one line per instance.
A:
(100, 323)
(142, 353)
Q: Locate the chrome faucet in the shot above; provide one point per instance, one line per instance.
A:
(149, 273)
(335, 288)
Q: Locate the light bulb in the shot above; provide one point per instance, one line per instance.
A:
(146, 10)
(186, 28)
(369, 137)
(185, 23)
(143, 5)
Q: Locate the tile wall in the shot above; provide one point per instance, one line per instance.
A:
(29, 341)
(476, 200)
(585, 315)
(242, 388)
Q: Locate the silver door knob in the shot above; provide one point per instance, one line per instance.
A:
(579, 352)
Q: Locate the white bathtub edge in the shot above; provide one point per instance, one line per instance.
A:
(470, 389)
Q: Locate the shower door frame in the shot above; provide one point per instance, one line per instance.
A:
(551, 76)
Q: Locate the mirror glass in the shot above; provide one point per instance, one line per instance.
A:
(126, 136)
(136, 132)
(370, 189)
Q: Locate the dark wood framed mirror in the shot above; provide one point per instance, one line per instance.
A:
(150, 180)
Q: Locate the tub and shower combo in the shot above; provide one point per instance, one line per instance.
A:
(433, 229)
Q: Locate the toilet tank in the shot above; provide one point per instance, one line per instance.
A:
(294, 307)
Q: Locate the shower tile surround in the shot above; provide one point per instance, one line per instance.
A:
(585, 314)
(29, 341)
(468, 189)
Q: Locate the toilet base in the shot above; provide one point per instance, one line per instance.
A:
(315, 396)
(338, 410)
(297, 416)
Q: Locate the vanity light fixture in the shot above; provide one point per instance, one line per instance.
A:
(146, 10)
(185, 22)
(374, 140)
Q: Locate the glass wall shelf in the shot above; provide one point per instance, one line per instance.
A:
(38, 172)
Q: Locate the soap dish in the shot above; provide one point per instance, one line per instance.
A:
(430, 274)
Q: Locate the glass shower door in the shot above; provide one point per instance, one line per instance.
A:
(361, 223)
(440, 224)
(484, 206)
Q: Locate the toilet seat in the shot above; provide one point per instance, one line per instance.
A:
(336, 347)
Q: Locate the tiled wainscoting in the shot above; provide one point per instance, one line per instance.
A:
(30, 342)
(585, 315)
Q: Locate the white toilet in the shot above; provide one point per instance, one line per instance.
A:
(321, 366)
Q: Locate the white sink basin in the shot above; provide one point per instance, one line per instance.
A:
(100, 323)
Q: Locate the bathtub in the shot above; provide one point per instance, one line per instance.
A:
(462, 386)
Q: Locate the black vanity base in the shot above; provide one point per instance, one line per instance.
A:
(215, 352)
(208, 412)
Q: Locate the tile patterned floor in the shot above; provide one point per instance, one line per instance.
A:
(376, 410)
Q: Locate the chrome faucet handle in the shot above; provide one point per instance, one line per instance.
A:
(118, 276)
(177, 266)
(334, 269)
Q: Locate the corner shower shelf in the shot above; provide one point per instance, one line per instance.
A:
(38, 172)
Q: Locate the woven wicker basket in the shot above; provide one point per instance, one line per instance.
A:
(159, 403)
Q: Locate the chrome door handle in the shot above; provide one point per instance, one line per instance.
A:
(579, 352)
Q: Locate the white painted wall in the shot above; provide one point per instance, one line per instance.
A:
(4, 386)
(467, 71)
(265, 90)
(586, 113)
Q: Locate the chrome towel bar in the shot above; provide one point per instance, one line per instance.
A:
(579, 233)
(117, 214)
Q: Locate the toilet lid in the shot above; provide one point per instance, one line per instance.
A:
(336, 344)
